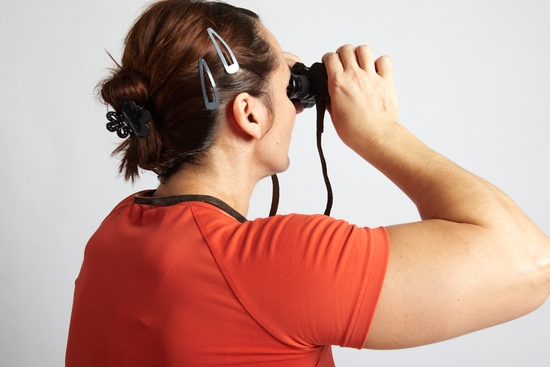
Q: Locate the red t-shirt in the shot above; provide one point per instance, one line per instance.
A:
(168, 282)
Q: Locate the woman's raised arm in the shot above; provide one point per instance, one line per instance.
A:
(475, 259)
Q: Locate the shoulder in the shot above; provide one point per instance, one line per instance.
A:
(292, 237)
(308, 279)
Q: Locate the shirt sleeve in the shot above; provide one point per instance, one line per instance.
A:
(307, 279)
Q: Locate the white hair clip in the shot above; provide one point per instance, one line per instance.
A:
(203, 68)
(229, 69)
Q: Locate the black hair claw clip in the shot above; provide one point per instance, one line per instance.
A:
(132, 118)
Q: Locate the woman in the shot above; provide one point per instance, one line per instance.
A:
(178, 277)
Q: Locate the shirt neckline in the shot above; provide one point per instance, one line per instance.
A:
(173, 200)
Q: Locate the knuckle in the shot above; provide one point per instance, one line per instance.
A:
(365, 49)
(349, 47)
(346, 48)
(330, 56)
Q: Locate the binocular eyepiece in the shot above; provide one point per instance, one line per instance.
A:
(306, 84)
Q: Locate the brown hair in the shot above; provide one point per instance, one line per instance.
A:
(159, 70)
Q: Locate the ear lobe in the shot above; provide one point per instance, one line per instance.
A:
(250, 114)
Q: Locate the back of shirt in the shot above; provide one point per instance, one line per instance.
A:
(188, 285)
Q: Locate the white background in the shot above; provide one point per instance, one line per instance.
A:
(473, 81)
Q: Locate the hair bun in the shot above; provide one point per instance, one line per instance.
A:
(124, 85)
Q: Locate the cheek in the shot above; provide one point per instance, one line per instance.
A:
(292, 116)
(290, 109)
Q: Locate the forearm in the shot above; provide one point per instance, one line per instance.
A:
(439, 188)
(443, 190)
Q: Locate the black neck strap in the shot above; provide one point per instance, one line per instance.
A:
(321, 104)
(172, 200)
(274, 196)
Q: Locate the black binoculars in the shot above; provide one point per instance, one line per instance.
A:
(307, 84)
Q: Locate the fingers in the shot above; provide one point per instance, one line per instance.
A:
(349, 57)
(365, 58)
(384, 67)
(333, 63)
(363, 104)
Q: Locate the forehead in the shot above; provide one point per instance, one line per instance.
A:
(275, 46)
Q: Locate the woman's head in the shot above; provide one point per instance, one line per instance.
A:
(160, 71)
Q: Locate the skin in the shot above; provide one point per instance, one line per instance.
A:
(473, 261)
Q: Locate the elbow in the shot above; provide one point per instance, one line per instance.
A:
(539, 274)
(543, 266)
(526, 264)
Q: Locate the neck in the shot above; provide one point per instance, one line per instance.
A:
(230, 181)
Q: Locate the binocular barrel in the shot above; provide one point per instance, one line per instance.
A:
(308, 83)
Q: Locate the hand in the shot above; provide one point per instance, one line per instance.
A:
(363, 100)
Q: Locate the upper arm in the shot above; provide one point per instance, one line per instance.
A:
(445, 279)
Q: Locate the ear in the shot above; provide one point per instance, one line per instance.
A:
(251, 115)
